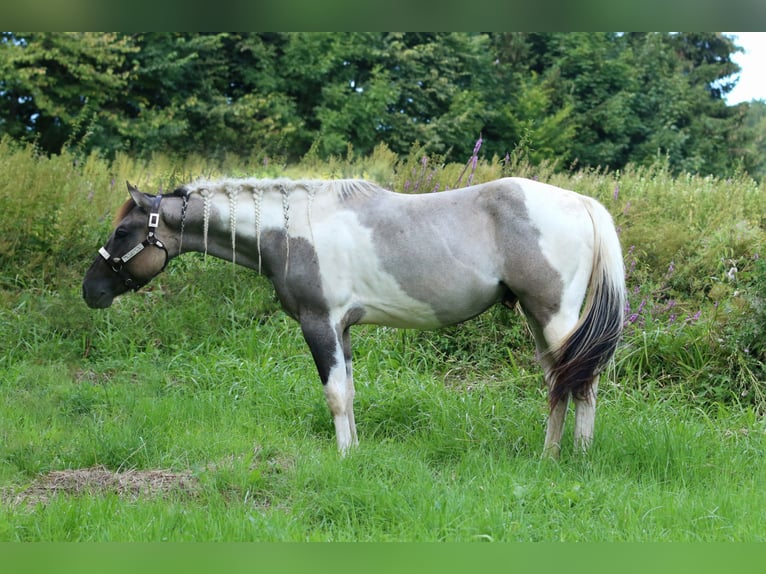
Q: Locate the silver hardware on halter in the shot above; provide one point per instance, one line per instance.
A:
(154, 219)
(132, 253)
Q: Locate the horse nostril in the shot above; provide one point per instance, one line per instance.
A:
(92, 294)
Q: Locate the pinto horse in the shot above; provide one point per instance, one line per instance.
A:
(342, 252)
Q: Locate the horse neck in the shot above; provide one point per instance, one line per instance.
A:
(244, 225)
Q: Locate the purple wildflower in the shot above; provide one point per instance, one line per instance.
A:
(616, 191)
(477, 147)
(632, 267)
(474, 162)
(633, 317)
(696, 316)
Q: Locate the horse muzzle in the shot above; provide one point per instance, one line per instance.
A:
(97, 294)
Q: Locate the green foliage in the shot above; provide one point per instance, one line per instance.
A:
(200, 374)
(755, 123)
(57, 87)
(578, 99)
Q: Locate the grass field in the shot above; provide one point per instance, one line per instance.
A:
(192, 411)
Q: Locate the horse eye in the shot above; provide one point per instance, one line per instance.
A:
(120, 232)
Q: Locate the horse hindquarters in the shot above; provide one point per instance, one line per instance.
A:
(573, 300)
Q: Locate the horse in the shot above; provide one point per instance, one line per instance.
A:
(347, 251)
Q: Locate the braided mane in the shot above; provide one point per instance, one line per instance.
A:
(343, 189)
(234, 188)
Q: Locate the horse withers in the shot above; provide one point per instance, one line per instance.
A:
(343, 252)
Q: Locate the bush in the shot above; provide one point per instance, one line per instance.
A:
(692, 247)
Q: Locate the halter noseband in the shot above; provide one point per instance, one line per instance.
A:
(117, 264)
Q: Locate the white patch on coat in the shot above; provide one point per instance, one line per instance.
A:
(354, 277)
(564, 232)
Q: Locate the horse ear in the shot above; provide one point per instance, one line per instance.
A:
(141, 199)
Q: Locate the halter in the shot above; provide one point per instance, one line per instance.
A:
(117, 264)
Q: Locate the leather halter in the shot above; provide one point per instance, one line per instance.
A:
(117, 264)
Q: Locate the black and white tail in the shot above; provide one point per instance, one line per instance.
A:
(592, 343)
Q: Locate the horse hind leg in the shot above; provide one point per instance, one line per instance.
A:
(563, 385)
(585, 416)
(555, 428)
(547, 339)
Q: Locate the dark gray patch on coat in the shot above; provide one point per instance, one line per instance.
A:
(298, 284)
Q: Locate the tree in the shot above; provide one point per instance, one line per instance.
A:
(755, 150)
(587, 99)
(54, 86)
(636, 96)
(528, 113)
(442, 81)
(681, 108)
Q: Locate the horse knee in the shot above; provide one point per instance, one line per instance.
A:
(337, 394)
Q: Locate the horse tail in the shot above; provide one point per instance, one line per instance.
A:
(591, 344)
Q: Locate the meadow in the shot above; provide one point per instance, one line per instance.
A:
(191, 410)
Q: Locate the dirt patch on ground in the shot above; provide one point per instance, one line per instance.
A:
(100, 480)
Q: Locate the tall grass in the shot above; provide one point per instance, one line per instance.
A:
(200, 374)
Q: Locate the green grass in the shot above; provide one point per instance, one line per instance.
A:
(202, 377)
(211, 379)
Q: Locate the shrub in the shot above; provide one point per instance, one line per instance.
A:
(692, 246)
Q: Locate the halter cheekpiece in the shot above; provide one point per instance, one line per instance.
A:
(117, 264)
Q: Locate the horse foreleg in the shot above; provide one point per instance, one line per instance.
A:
(339, 391)
(585, 417)
(333, 363)
(346, 342)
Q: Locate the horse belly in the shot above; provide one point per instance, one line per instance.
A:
(384, 301)
(454, 304)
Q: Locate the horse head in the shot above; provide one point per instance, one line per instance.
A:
(134, 253)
